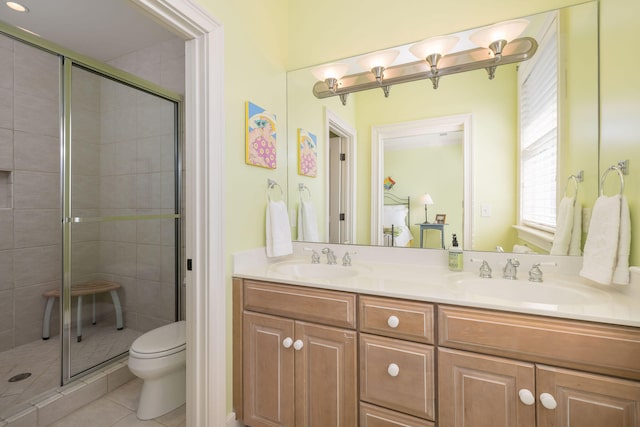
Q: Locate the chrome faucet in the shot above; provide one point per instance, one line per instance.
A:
(331, 257)
(510, 271)
(485, 269)
(535, 274)
(346, 259)
(315, 256)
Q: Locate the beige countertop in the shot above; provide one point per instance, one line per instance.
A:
(422, 275)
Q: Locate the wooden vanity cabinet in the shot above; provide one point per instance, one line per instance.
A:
(289, 371)
(484, 388)
(396, 362)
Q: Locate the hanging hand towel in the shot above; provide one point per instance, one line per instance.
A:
(606, 249)
(621, 272)
(564, 227)
(576, 232)
(278, 230)
(307, 222)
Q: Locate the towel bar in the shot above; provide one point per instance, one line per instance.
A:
(301, 188)
(270, 184)
(604, 177)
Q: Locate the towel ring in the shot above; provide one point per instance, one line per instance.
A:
(574, 179)
(604, 177)
(270, 184)
(301, 188)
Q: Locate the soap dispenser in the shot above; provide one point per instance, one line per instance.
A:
(455, 255)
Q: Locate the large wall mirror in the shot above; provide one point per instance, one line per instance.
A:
(458, 144)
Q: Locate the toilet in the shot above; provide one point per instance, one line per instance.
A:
(158, 357)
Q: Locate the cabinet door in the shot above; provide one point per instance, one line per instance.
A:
(268, 370)
(483, 391)
(585, 400)
(326, 382)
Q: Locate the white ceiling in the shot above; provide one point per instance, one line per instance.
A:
(100, 29)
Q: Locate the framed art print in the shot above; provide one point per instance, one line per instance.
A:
(307, 154)
(260, 147)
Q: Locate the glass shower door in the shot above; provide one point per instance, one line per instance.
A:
(121, 217)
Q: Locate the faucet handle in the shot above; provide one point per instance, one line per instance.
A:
(485, 268)
(315, 256)
(535, 274)
(346, 259)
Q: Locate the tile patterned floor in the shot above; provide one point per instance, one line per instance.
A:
(118, 409)
(42, 359)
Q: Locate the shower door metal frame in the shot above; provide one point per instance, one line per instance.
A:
(67, 218)
(68, 59)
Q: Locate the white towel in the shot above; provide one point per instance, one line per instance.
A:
(621, 274)
(564, 227)
(278, 230)
(606, 251)
(307, 222)
(576, 233)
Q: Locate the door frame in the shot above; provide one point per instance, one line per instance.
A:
(204, 204)
(335, 124)
(414, 128)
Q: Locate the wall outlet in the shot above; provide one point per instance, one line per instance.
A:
(485, 210)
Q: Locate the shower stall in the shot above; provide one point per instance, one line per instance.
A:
(90, 214)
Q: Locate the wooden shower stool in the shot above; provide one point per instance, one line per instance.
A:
(80, 290)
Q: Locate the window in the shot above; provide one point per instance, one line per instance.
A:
(538, 101)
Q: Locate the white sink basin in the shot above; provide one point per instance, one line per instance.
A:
(314, 271)
(523, 291)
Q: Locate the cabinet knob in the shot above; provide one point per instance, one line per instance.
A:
(393, 369)
(287, 342)
(393, 321)
(526, 397)
(548, 401)
(298, 345)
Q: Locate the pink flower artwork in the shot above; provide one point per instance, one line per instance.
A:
(307, 153)
(261, 137)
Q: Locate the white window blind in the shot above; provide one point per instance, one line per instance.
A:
(538, 98)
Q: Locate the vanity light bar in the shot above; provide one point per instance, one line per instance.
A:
(517, 50)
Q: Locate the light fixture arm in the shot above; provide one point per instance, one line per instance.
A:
(517, 50)
(497, 47)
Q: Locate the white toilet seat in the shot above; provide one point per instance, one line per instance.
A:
(163, 341)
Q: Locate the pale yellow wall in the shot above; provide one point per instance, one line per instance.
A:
(620, 102)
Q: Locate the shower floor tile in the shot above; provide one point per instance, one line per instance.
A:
(42, 360)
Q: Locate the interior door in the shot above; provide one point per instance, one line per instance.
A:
(337, 191)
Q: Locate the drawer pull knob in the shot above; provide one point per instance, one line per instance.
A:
(393, 369)
(393, 321)
(526, 397)
(298, 345)
(548, 401)
(287, 342)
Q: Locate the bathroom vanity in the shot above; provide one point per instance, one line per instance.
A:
(370, 350)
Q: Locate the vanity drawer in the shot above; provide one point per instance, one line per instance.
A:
(296, 302)
(594, 347)
(410, 389)
(375, 416)
(397, 318)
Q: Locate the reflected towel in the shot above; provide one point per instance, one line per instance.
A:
(606, 251)
(564, 227)
(307, 222)
(278, 230)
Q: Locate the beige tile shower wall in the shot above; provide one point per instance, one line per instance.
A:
(137, 177)
(29, 154)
